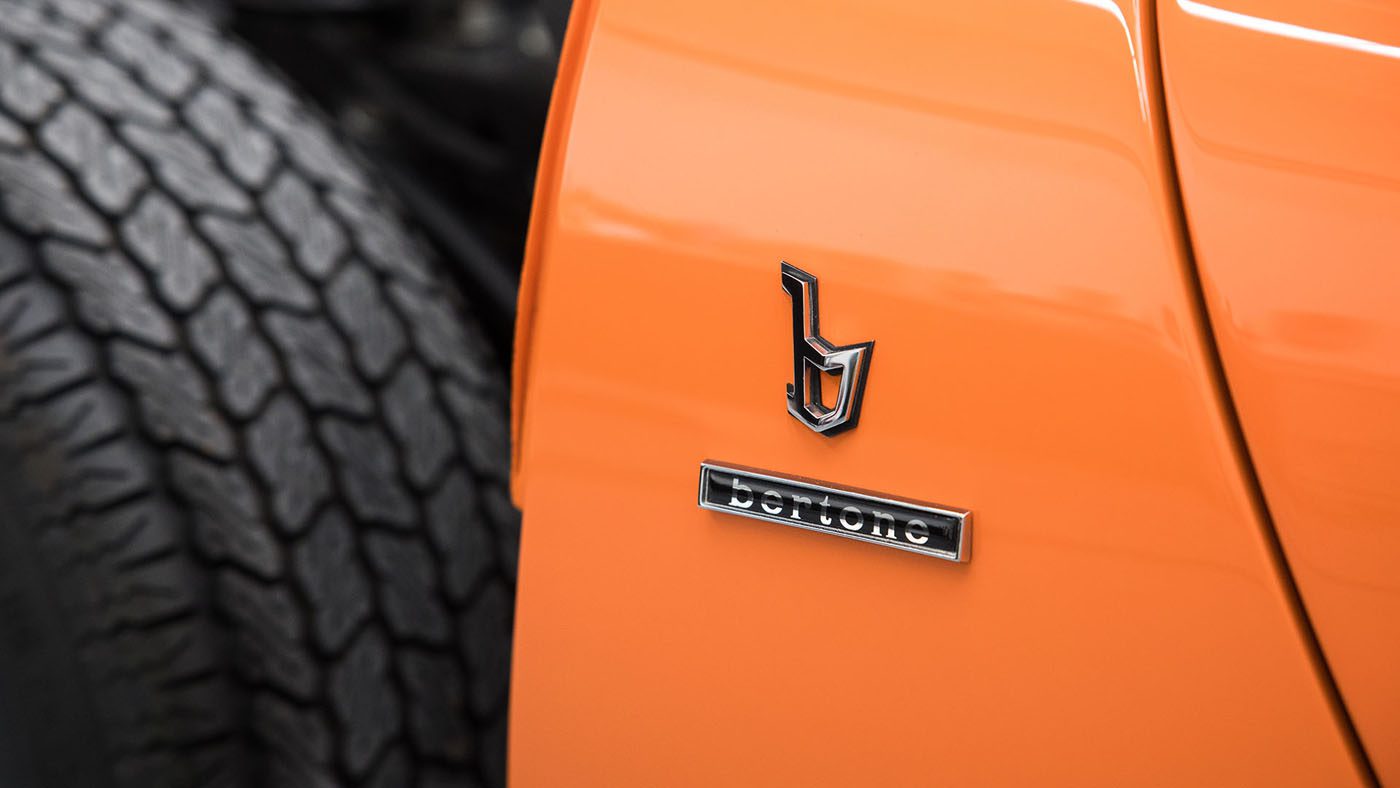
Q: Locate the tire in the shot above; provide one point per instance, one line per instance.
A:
(255, 527)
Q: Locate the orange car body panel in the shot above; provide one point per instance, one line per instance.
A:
(983, 188)
(1286, 123)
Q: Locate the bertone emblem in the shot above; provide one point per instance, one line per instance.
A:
(813, 357)
(929, 529)
(940, 531)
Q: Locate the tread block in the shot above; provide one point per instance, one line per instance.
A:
(113, 546)
(268, 637)
(26, 91)
(174, 401)
(162, 240)
(143, 711)
(296, 210)
(247, 150)
(307, 142)
(453, 524)
(185, 168)
(112, 297)
(358, 307)
(282, 451)
(382, 239)
(443, 340)
(87, 15)
(257, 262)
(109, 174)
(228, 523)
(417, 421)
(318, 363)
(126, 538)
(44, 366)
(157, 67)
(104, 86)
(224, 337)
(364, 701)
(28, 309)
(486, 437)
(407, 587)
(100, 477)
(368, 472)
(26, 22)
(36, 196)
(326, 564)
(72, 421)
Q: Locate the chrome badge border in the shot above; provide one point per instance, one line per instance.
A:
(961, 555)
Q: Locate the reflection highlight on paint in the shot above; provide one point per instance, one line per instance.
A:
(1297, 32)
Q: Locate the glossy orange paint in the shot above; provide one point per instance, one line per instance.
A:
(1286, 119)
(982, 189)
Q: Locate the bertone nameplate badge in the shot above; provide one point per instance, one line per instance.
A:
(928, 529)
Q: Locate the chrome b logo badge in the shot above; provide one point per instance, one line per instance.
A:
(813, 357)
